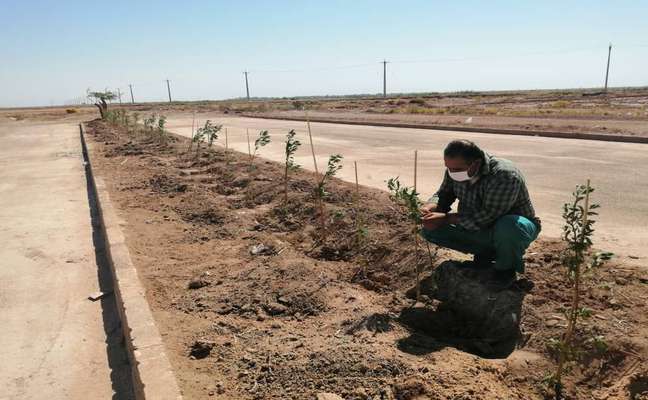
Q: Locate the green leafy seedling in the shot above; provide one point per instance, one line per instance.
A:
(199, 138)
(211, 132)
(262, 140)
(332, 167)
(292, 145)
(408, 198)
(150, 122)
(577, 234)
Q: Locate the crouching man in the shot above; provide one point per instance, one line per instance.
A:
(495, 219)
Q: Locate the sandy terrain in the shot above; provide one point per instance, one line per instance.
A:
(318, 313)
(623, 111)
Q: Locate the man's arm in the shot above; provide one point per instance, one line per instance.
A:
(499, 197)
(442, 200)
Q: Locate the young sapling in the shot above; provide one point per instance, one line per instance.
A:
(292, 145)
(160, 128)
(150, 122)
(262, 140)
(332, 167)
(199, 138)
(211, 132)
(408, 198)
(577, 235)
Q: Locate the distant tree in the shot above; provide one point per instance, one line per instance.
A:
(101, 99)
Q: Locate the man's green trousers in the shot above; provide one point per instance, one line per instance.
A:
(505, 242)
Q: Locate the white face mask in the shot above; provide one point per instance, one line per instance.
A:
(460, 176)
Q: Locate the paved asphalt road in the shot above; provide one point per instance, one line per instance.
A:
(553, 167)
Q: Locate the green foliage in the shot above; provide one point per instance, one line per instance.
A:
(135, 118)
(333, 166)
(262, 140)
(161, 123)
(578, 216)
(407, 197)
(577, 232)
(99, 96)
(210, 132)
(584, 312)
(117, 117)
(199, 136)
(292, 145)
(150, 122)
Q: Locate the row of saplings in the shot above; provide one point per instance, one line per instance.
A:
(577, 215)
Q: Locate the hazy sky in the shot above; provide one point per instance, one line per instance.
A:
(52, 51)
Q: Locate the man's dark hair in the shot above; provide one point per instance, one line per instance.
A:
(465, 149)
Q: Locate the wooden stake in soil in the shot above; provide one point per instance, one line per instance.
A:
(320, 201)
(226, 148)
(586, 209)
(355, 168)
(415, 167)
(247, 131)
(359, 233)
(310, 138)
(356, 199)
(416, 237)
(193, 124)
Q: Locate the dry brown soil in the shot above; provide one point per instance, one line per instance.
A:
(623, 111)
(313, 314)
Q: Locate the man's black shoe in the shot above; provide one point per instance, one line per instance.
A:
(483, 260)
(503, 279)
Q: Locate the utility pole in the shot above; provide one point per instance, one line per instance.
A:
(247, 87)
(119, 95)
(384, 63)
(131, 90)
(169, 90)
(607, 70)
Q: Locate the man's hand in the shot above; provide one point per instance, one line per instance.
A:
(428, 208)
(434, 220)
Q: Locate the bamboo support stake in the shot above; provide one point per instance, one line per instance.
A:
(320, 201)
(247, 132)
(193, 124)
(356, 199)
(586, 209)
(310, 138)
(355, 168)
(415, 167)
(358, 218)
(226, 148)
(416, 236)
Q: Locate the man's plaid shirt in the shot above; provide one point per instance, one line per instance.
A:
(500, 190)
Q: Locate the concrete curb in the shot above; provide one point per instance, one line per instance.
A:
(153, 377)
(551, 134)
